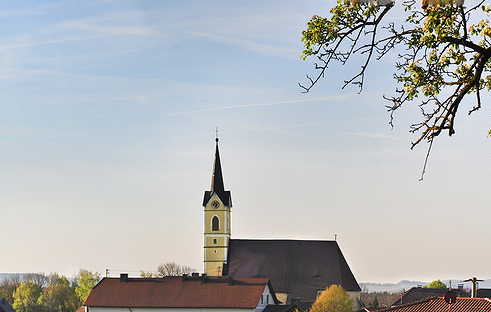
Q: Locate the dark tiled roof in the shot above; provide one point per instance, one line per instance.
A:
(282, 308)
(484, 293)
(419, 293)
(439, 305)
(5, 306)
(224, 196)
(297, 267)
(178, 292)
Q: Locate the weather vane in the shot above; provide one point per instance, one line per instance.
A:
(216, 134)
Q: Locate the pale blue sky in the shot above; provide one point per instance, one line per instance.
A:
(107, 128)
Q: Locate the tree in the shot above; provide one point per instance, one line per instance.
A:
(37, 278)
(443, 49)
(173, 269)
(144, 274)
(374, 303)
(59, 295)
(8, 287)
(26, 297)
(436, 284)
(86, 280)
(333, 299)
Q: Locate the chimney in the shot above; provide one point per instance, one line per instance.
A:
(123, 278)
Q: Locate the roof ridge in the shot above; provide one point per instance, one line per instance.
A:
(411, 303)
(285, 240)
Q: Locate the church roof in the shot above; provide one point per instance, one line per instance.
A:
(178, 292)
(217, 186)
(297, 267)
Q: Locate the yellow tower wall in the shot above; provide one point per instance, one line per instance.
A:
(216, 242)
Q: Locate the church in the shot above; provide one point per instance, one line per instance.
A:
(299, 270)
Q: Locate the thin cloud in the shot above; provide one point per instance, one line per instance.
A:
(37, 135)
(111, 30)
(67, 135)
(61, 40)
(376, 136)
(284, 129)
(99, 32)
(255, 105)
(262, 48)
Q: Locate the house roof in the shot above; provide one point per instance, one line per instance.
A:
(282, 308)
(217, 186)
(484, 293)
(297, 267)
(439, 304)
(419, 293)
(5, 306)
(178, 292)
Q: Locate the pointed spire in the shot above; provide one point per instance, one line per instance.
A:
(217, 186)
(217, 178)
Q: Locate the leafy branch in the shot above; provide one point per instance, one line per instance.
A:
(446, 51)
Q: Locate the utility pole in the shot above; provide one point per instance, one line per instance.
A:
(474, 281)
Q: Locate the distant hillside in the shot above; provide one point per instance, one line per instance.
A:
(21, 276)
(406, 285)
(391, 287)
(10, 275)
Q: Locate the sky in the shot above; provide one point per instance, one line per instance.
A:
(108, 115)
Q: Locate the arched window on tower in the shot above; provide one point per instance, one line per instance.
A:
(215, 224)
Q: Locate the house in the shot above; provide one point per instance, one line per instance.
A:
(299, 270)
(438, 304)
(187, 294)
(419, 293)
(5, 306)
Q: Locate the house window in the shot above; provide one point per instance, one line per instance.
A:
(267, 299)
(262, 299)
(215, 224)
(215, 241)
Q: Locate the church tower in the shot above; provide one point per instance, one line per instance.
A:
(217, 203)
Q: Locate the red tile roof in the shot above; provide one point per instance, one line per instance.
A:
(438, 305)
(178, 292)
